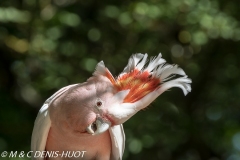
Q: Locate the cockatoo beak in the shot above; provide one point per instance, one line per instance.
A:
(100, 125)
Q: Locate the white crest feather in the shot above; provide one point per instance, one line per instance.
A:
(142, 63)
(100, 69)
(155, 61)
(132, 62)
(158, 68)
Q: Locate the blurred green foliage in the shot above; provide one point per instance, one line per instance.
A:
(45, 45)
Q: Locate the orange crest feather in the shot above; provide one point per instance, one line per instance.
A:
(139, 83)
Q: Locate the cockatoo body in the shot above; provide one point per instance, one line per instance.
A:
(89, 116)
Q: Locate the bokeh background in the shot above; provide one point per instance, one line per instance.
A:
(45, 45)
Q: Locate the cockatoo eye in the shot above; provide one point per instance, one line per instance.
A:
(99, 103)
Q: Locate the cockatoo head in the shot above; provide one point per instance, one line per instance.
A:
(104, 101)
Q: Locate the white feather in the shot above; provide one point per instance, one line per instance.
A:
(40, 131)
(132, 62)
(141, 64)
(100, 69)
(154, 62)
(118, 141)
(159, 69)
(169, 70)
(182, 82)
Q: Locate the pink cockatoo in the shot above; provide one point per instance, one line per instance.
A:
(89, 116)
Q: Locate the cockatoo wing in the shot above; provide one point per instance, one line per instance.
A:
(42, 125)
(118, 141)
